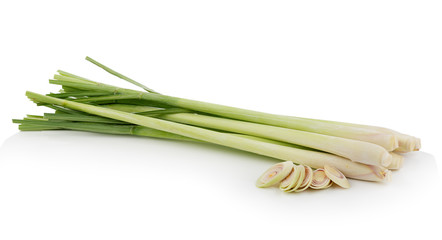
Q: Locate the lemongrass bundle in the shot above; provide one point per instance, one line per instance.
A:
(335, 149)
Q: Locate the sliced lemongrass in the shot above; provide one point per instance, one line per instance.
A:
(275, 174)
(300, 179)
(320, 179)
(397, 161)
(336, 176)
(308, 177)
(292, 181)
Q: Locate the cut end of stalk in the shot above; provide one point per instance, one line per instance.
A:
(417, 144)
(387, 175)
(336, 176)
(386, 159)
(407, 144)
(397, 161)
(275, 174)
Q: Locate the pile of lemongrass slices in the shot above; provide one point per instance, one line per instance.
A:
(324, 151)
(297, 178)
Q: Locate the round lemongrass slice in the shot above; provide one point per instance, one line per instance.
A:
(275, 174)
(320, 180)
(290, 181)
(296, 180)
(336, 176)
(308, 177)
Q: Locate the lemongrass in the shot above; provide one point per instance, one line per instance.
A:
(109, 70)
(336, 176)
(388, 141)
(308, 178)
(397, 161)
(300, 156)
(43, 124)
(130, 108)
(358, 151)
(293, 180)
(320, 179)
(354, 150)
(275, 174)
(406, 143)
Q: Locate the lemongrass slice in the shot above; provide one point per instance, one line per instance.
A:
(275, 174)
(336, 176)
(300, 179)
(308, 177)
(397, 161)
(291, 181)
(320, 180)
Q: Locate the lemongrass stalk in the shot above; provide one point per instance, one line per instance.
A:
(391, 145)
(82, 124)
(358, 151)
(388, 141)
(38, 125)
(406, 143)
(336, 176)
(397, 161)
(300, 156)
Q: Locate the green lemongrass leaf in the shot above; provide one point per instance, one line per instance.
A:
(66, 89)
(130, 108)
(66, 74)
(109, 70)
(164, 111)
(34, 125)
(37, 117)
(59, 109)
(77, 94)
(72, 79)
(37, 128)
(107, 98)
(81, 118)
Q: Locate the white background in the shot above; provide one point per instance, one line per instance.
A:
(371, 62)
